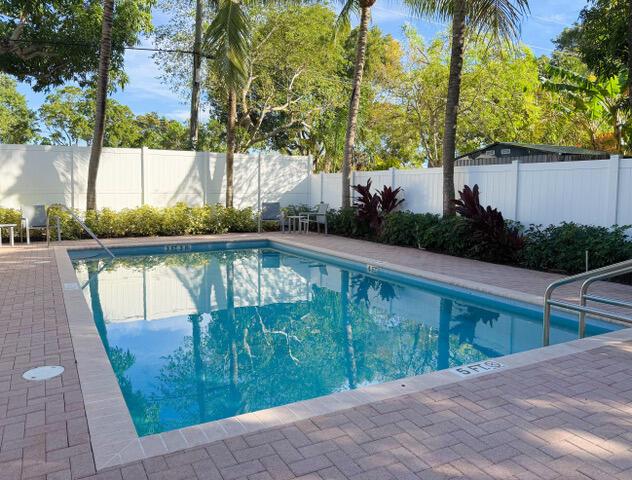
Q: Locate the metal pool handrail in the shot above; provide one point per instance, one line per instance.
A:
(80, 222)
(589, 277)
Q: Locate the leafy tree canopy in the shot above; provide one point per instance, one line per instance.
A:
(600, 36)
(48, 43)
(17, 122)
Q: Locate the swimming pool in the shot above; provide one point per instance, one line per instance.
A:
(200, 332)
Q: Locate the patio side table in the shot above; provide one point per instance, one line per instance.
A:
(294, 223)
(11, 227)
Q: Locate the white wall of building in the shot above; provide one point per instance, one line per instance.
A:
(130, 177)
(595, 192)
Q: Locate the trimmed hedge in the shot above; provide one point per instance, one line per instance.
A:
(151, 221)
(558, 248)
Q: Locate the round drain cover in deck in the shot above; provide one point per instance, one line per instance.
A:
(43, 373)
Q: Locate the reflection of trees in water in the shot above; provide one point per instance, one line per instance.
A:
(242, 359)
(143, 412)
(362, 284)
(467, 319)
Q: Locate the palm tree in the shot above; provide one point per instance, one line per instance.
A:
(195, 87)
(501, 19)
(228, 41)
(105, 56)
(354, 102)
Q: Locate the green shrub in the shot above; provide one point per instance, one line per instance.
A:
(70, 229)
(562, 248)
(177, 220)
(237, 220)
(10, 215)
(451, 235)
(405, 228)
(345, 222)
(106, 223)
(148, 221)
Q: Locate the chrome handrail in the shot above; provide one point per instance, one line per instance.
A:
(80, 222)
(589, 277)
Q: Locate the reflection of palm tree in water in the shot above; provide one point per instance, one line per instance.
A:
(468, 319)
(234, 395)
(200, 292)
(363, 283)
(443, 341)
(95, 302)
(352, 369)
(144, 413)
(198, 365)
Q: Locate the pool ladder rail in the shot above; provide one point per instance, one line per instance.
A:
(587, 279)
(79, 221)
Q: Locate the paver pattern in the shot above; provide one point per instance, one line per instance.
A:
(567, 419)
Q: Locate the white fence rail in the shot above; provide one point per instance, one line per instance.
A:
(129, 177)
(594, 192)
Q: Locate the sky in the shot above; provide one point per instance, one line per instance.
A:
(145, 92)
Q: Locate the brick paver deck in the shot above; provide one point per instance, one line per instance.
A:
(571, 418)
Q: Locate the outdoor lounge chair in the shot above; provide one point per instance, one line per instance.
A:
(319, 217)
(271, 212)
(33, 218)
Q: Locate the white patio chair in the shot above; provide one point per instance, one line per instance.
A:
(319, 217)
(33, 218)
(271, 211)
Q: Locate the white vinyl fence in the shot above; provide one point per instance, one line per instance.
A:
(593, 192)
(597, 192)
(129, 177)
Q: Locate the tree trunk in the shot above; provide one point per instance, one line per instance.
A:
(452, 105)
(195, 87)
(354, 104)
(630, 53)
(230, 145)
(105, 56)
(617, 130)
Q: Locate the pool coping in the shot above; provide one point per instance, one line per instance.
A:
(112, 433)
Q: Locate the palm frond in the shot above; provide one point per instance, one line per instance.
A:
(440, 10)
(343, 22)
(227, 39)
(501, 18)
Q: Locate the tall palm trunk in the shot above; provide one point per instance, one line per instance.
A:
(452, 105)
(354, 104)
(195, 87)
(230, 144)
(105, 56)
(630, 53)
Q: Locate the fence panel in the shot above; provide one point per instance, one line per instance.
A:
(593, 192)
(129, 177)
(563, 192)
(34, 174)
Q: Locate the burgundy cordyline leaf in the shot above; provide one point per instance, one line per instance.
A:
(488, 223)
(372, 208)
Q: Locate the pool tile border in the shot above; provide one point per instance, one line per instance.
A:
(112, 434)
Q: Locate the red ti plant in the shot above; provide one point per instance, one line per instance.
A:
(373, 207)
(494, 237)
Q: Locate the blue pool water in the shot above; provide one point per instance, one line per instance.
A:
(197, 333)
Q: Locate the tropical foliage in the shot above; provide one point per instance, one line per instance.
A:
(372, 207)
